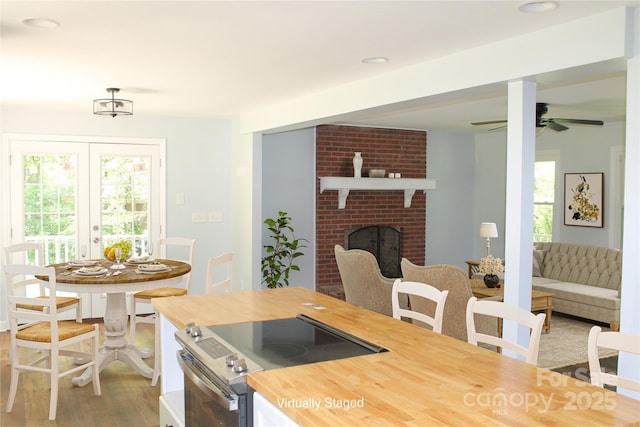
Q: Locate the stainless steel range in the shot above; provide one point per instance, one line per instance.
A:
(217, 359)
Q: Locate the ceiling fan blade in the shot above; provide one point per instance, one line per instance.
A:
(580, 121)
(490, 122)
(555, 126)
(498, 128)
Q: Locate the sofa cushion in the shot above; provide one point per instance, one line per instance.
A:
(584, 294)
(589, 265)
(542, 281)
(538, 258)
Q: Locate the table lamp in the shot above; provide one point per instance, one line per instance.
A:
(488, 230)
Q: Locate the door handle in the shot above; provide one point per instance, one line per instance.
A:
(96, 239)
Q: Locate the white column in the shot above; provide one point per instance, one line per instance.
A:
(628, 365)
(521, 154)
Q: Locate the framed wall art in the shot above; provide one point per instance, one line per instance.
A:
(583, 199)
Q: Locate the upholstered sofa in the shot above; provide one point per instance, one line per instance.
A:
(584, 280)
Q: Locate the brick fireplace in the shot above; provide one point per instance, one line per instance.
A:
(402, 151)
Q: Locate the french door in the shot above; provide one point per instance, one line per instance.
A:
(73, 193)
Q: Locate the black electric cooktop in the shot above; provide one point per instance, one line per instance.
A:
(290, 342)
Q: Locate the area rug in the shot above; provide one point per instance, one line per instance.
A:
(566, 343)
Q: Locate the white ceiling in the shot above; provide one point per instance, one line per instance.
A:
(221, 59)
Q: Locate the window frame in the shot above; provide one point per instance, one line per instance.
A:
(552, 156)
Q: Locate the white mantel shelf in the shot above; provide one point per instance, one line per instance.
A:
(345, 184)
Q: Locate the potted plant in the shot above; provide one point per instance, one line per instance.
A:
(281, 254)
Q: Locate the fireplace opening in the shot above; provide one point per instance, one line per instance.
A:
(383, 242)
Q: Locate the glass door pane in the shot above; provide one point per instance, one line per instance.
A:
(45, 203)
(124, 179)
(125, 201)
(68, 194)
(50, 205)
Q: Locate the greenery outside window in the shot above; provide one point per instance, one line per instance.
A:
(543, 201)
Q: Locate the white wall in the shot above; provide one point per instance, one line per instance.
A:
(288, 184)
(198, 165)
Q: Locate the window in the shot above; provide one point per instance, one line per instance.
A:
(543, 201)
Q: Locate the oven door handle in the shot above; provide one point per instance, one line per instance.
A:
(213, 391)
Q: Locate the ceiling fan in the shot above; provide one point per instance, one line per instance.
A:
(542, 122)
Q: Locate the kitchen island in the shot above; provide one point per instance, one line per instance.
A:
(424, 379)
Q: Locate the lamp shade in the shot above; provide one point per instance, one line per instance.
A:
(488, 229)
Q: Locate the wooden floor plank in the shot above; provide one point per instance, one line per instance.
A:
(127, 398)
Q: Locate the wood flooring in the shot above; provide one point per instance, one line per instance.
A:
(127, 398)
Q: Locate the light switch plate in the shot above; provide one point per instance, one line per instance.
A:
(216, 216)
(198, 217)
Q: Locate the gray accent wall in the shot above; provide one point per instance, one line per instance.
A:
(288, 184)
(470, 173)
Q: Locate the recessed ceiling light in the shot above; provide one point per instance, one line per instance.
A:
(41, 23)
(375, 60)
(538, 6)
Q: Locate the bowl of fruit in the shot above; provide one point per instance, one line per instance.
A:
(125, 248)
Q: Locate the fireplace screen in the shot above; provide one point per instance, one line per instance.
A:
(383, 242)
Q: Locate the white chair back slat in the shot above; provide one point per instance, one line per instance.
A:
(225, 260)
(181, 244)
(18, 253)
(506, 312)
(623, 342)
(421, 290)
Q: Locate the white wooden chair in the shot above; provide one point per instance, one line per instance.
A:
(48, 335)
(620, 341)
(15, 282)
(425, 291)
(225, 285)
(503, 311)
(144, 297)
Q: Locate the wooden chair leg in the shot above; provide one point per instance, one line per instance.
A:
(13, 388)
(53, 374)
(614, 325)
(156, 351)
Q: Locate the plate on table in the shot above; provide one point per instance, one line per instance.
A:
(91, 271)
(153, 268)
(140, 260)
(81, 263)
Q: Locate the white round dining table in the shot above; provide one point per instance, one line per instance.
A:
(116, 283)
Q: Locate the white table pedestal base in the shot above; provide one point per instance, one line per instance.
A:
(115, 346)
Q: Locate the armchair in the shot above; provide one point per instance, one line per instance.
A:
(363, 283)
(454, 280)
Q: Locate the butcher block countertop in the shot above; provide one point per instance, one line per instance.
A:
(425, 378)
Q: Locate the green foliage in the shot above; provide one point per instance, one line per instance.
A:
(544, 200)
(279, 261)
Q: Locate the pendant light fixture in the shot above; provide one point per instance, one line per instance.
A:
(113, 107)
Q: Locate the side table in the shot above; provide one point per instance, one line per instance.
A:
(540, 301)
(473, 267)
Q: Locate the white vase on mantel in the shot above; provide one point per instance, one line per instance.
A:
(357, 165)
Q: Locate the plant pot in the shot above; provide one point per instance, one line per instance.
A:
(491, 280)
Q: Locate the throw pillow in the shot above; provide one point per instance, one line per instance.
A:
(538, 257)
